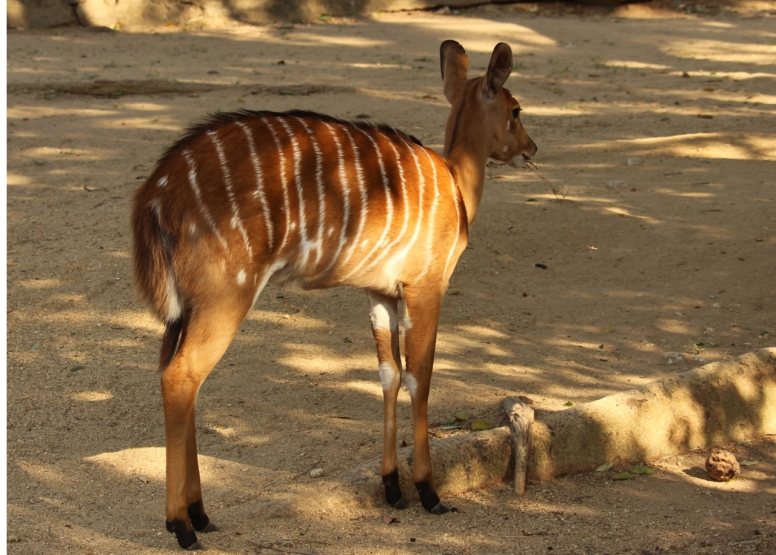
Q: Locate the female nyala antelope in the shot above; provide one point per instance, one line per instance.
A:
(303, 199)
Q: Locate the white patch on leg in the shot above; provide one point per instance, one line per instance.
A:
(412, 384)
(383, 315)
(241, 277)
(388, 375)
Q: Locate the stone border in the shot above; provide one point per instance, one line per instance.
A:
(712, 405)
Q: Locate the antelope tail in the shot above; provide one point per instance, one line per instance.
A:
(152, 250)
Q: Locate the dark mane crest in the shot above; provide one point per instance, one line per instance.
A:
(217, 119)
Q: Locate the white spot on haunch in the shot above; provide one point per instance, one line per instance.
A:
(241, 277)
(174, 307)
(505, 148)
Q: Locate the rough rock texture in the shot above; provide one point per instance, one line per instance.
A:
(722, 465)
(717, 403)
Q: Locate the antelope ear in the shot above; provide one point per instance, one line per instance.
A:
(454, 63)
(499, 69)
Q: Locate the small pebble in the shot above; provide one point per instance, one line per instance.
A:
(316, 473)
(634, 161)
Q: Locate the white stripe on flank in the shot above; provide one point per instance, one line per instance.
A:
(431, 216)
(405, 203)
(345, 195)
(265, 278)
(362, 189)
(321, 195)
(421, 188)
(305, 243)
(283, 182)
(235, 221)
(388, 204)
(259, 192)
(198, 196)
(457, 222)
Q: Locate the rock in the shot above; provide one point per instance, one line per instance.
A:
(722, 465)
(316, 473)
(36, 14)
(616, 184)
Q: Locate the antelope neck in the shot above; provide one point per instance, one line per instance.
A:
(466, 156)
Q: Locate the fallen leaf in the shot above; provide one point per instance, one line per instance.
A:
(481, 424)
(622, 476)
(569, 404)
(463, 415)
(390, 519)
(604, 467)
(749, 463)
(642, 470)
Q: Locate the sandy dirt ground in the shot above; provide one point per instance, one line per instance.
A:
(658, 125)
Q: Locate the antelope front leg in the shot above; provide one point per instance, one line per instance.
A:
(385, 327)
(423, 306)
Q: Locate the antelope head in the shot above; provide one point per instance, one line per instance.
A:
(483, 107)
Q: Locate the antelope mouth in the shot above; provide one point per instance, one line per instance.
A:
(518, 161)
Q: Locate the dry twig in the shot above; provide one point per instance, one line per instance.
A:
(560, 193)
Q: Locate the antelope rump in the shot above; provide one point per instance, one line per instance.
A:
(307, 200)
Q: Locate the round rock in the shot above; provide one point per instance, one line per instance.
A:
(722, 466)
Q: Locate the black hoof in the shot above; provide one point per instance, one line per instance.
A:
(199, 519)
(429, 498)
(392, 490)
(187, 539)
(439, 509)
(401, 504)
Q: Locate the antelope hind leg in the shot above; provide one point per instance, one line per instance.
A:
(385, 328)
(423, 306)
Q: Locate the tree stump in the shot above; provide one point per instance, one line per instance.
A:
(521, 418)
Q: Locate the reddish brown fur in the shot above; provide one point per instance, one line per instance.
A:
(334, 203)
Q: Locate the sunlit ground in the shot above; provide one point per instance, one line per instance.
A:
(660, 132)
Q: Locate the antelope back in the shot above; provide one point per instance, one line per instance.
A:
(299, 198)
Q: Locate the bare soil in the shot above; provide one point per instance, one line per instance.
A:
(656, 122)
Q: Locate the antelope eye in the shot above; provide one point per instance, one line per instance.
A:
(516, 112)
